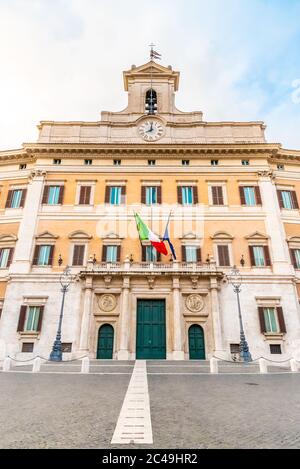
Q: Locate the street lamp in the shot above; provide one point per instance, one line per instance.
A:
(235, 279)
(65, 281)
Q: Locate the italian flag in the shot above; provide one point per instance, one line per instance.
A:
(146, 234)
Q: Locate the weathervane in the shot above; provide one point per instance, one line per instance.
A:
(151, 101)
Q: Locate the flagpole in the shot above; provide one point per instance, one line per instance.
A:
(134, 213)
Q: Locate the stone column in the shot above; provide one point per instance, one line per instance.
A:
(27, 228)
(123, 352)
(178, 352)
(274, 225)
(86, 316)
(215, 311)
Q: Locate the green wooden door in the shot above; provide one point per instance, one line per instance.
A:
(105, 342)
(196, 343)
(151, 329)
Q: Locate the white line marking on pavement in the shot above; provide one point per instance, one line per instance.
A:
(134, 422)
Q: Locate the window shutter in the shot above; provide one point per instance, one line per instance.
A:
(281, 320)
(10, 256)
(280, 199)
(23, 198)
(198, 251)
(143, 253)
(220, 195)
(293, 258)
(257, 195)
(118, 253)
(143, 194)
(242, 195)
(214, 193)
(267, 256)
(82, 195)
(159, 194)
(22, 317)
(51, 255)
(41, 313)
(158, 257)
(262, 319)
(179, 195)
(78, 254)
(36, 255)
(123, 194)
(104, 251)
(87, 195)
(252, 258)
(294, 199)
(61, 194)
(9, 199)
(107, 194)
(223, 254)
(45, 195)
(195, 194)
(183, 254)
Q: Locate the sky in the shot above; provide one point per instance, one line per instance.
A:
(63, 60)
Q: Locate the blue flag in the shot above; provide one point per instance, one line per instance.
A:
(166, 237)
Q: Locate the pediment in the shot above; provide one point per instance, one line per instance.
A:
(148, 69)
(111, 236)
(8, 238)
(190, 235)
(293, 239)
(79, 235)
(222, 235)
(257, 235)
(46, 235)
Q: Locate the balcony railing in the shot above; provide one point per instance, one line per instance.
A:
(148, 267)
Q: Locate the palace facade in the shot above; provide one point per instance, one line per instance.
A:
(69, 199)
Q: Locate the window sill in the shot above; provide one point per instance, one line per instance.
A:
(29, 334)
(273, 335)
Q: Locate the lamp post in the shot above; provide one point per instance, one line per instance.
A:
(235, 279)
(65, 281)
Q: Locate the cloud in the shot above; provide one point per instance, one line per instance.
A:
(63, 60)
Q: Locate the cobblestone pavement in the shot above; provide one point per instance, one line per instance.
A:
(189, 408)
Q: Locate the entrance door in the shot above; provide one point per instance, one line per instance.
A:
(151, 329)
(196, 343)
(105, 342)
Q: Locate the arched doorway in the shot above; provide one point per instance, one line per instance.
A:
(105, 342)
(196, 343)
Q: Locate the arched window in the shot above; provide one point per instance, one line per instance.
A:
(151, 102)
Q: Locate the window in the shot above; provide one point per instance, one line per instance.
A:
(151, 162)
(250, 195)
(115, 195)
(214, 162)
(43, 255)
(245, 162)
(57, 161)
(275, 349)
(280, 167)
(111, 253)
(217, 195)
(151, 195)
(27, 347)
(191, 254)
(287, 199)
(187, 195)
(223, 255)
(259, 256)
(30, 318)
(23, 166)
(6, 255)
(185, 162)
(235, 348)
(85, 195)
(117, 162)
(295, 256)
(78, 254)
(151, 254)
(151, 102)
(53, 195)
(88, 162)
(66, 347)
(16, 198)
(271, 320)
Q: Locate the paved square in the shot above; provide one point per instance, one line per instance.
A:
(188, 407)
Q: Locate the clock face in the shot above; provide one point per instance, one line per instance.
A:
(151, 130)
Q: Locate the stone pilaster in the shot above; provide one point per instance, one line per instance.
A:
(178, 352)
(123, 352)
(216, 317)
(86, 316)
(27, 228)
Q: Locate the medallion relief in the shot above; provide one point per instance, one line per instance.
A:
(194, 303)
(107, 302)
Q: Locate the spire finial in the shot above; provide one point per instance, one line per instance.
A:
(153, 53)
